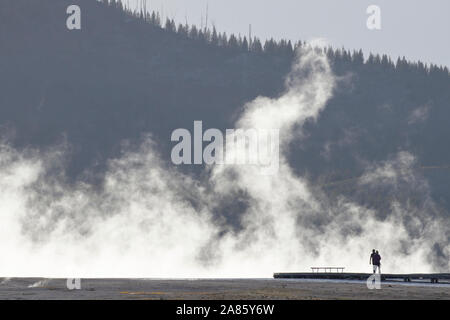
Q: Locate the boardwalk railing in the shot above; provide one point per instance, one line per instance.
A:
(317, 269)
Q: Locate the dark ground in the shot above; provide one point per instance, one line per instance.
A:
(215, 289)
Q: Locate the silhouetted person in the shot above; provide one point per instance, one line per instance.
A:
(376, 261)
(371, 256)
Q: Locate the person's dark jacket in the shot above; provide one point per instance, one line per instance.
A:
(376, 259)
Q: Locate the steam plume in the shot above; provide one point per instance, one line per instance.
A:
(149, 220)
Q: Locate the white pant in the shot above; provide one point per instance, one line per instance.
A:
(375, 267)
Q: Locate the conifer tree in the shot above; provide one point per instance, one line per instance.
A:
(245, 44)
(193, 34)
(170, 25)
(257, 46)
(233, 42)
(358, 57)
(223, 40)
(214, 37)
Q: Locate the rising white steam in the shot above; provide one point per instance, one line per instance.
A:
(149, 220)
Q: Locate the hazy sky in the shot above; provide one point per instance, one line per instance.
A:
(418, 29)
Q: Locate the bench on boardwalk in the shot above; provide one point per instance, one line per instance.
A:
(325, 269)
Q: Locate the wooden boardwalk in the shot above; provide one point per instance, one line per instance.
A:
(433, 277)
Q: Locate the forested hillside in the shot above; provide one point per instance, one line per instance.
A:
(128, 73)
